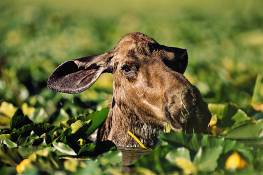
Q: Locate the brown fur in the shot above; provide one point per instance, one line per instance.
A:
(149, 90)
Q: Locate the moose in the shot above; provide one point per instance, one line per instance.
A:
(149, 90)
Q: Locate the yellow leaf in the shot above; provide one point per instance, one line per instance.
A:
(71, 165)
(75, 126)
(186, 165)
(215, 130)
(23, 165)
(213, 121)
(144, 171)
(32, 157)
(28, 111)
(137, 140)
(258, 107)
(212, 125)
(7, 109)
(115, 171)
(80, 142)
(167, 127)
(235, 162)
(42, 152)
(4, 120)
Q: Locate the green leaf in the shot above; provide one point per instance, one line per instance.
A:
(110, 158)
(64, 149)
(180, 139)
(87, 149)
(92, 168)
(19, 120)
(240, 118)
(7, 170)
(9, 143)
(154, 160)
(181, 158)
(206, 158)
(247, 131)
(224, 113)
(9, 156)
(97, 118)
(61, 118)
(5, 139)
(257, 97)
(26, 130)
(179, 152)
(39, 115)
(217, 109)
(4, 136)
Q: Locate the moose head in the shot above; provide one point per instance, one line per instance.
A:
(149, 90)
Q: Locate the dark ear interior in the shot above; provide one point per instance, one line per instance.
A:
(175, 58)
(77, 75)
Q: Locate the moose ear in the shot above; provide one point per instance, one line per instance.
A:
(175, 58)
(77, 75)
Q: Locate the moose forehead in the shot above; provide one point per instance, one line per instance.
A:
(141, 48)
(134, 39)
(135, 45)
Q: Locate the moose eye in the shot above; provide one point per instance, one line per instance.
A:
(129, 70)
(126, 68)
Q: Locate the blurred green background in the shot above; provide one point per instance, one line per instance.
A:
(225, 47)
(224, 41)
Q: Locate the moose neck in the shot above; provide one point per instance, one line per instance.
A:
(122, 119)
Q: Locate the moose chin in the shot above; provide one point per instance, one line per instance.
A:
(149, 90)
